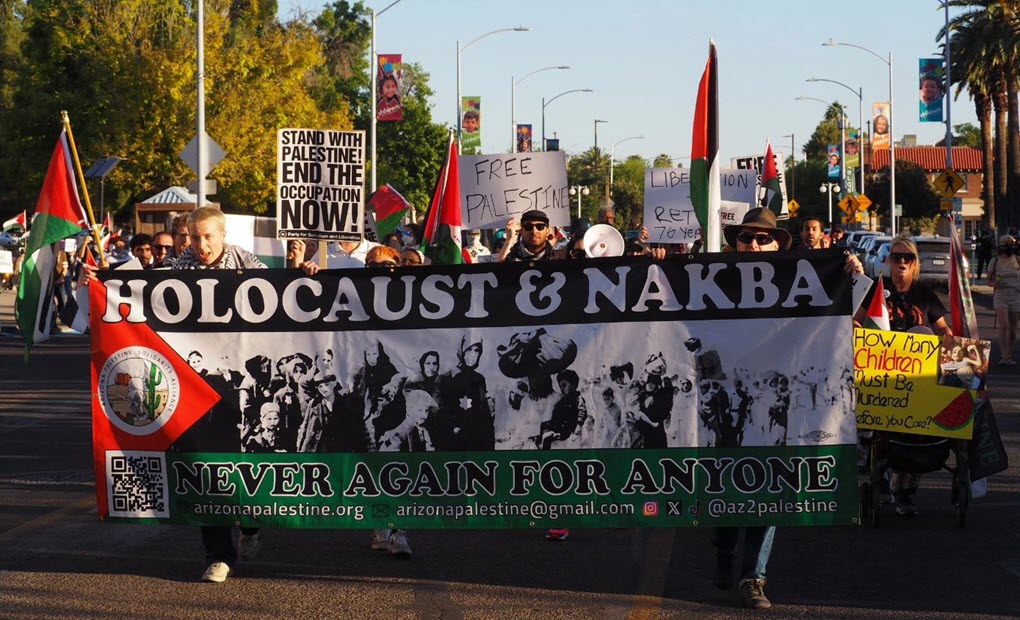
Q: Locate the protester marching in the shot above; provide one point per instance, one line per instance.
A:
(496, 360)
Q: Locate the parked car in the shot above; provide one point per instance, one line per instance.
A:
(864, 247)
(854, 239)
(868, 261)
(934, 255)
(880, 263)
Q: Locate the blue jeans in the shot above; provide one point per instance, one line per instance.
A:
(757, 548)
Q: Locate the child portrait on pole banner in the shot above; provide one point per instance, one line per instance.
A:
(880, 126)
(388, 98)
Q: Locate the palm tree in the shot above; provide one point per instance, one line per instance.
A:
(986, 46)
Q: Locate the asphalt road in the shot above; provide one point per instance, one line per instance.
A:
(57, 560)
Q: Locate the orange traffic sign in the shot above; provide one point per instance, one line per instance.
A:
(948, 183)
(863, 202)
(846, 204)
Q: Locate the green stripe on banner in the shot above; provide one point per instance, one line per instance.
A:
(678, 487)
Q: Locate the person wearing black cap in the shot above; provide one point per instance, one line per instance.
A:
(528, 239)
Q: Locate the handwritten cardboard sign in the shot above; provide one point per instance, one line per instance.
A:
(669, 212)
(496, 188)
(896, 374)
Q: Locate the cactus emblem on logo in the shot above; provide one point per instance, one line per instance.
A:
(138, 389)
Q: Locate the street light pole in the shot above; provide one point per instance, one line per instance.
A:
(513, 102)
(793, 165)
(460, 50)
(545, 103)
(612, 156)
(829, 188)
(860, 122)
(578, 190)
(892, 134)
(597, 121)
(372, 69)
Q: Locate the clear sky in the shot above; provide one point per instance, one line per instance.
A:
(644, 58)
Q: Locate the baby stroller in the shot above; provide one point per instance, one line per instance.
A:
(912, 454)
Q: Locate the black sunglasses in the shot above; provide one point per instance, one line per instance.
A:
(381, 264)
(531, 227)
(165, 248)
(905, 257)
(763, 238)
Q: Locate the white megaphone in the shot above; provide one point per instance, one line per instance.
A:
(603, 241)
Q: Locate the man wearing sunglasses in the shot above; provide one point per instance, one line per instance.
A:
(528, 239)
(162, 250)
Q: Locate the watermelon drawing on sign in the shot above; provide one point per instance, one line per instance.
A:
(957, 413)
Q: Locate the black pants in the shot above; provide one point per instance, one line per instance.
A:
(219, 545)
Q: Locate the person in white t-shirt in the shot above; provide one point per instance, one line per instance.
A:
(339, 255)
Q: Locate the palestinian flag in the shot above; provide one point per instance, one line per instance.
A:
(878, 313)
(58, 215)
(76, 311)
(770, 183)
(258, 236)
(443, 222)
(706, 193)
(961, 303)
(390, 209)
(18, 221)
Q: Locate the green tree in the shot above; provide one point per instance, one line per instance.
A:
(590, 169)
(663, 160)
(412, 151)
(827, 132)
(629, 192)
(913, 191)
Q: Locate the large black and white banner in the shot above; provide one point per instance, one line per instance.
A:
(620, 388)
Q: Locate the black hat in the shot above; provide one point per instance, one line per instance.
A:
(762, 218)
(534, 216)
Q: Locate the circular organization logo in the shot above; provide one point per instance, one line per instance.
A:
(139, 390)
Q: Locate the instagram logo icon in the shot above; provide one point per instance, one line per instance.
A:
(650, 509)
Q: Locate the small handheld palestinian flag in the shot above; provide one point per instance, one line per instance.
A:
(878, 313)
(772, 197)
(706, 189)
(18, 221)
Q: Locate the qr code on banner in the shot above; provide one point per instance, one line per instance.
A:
(136, 484)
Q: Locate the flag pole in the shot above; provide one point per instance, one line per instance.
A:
(81, 178)
(442, 191)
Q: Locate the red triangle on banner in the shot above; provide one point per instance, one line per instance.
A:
(144, 394)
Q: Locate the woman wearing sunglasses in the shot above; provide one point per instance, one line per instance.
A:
(911, 304)
(1004, 277)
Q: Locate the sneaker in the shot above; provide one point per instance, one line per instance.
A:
(1010, 361)
(381, 540)
(217, 572)
(724, 571)
(248, 545)
(398, 544)
(557, 535)
(752, 592)
(905, 505)
(1002, 362)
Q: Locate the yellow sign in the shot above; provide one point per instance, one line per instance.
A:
(896, 374)
(948, 183)
(792, 208)
(845, 204)
(863, 202)
(946, 205)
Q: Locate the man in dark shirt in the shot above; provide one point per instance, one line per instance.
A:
(529, 239)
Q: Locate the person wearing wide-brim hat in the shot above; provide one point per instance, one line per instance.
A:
(757, 232)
